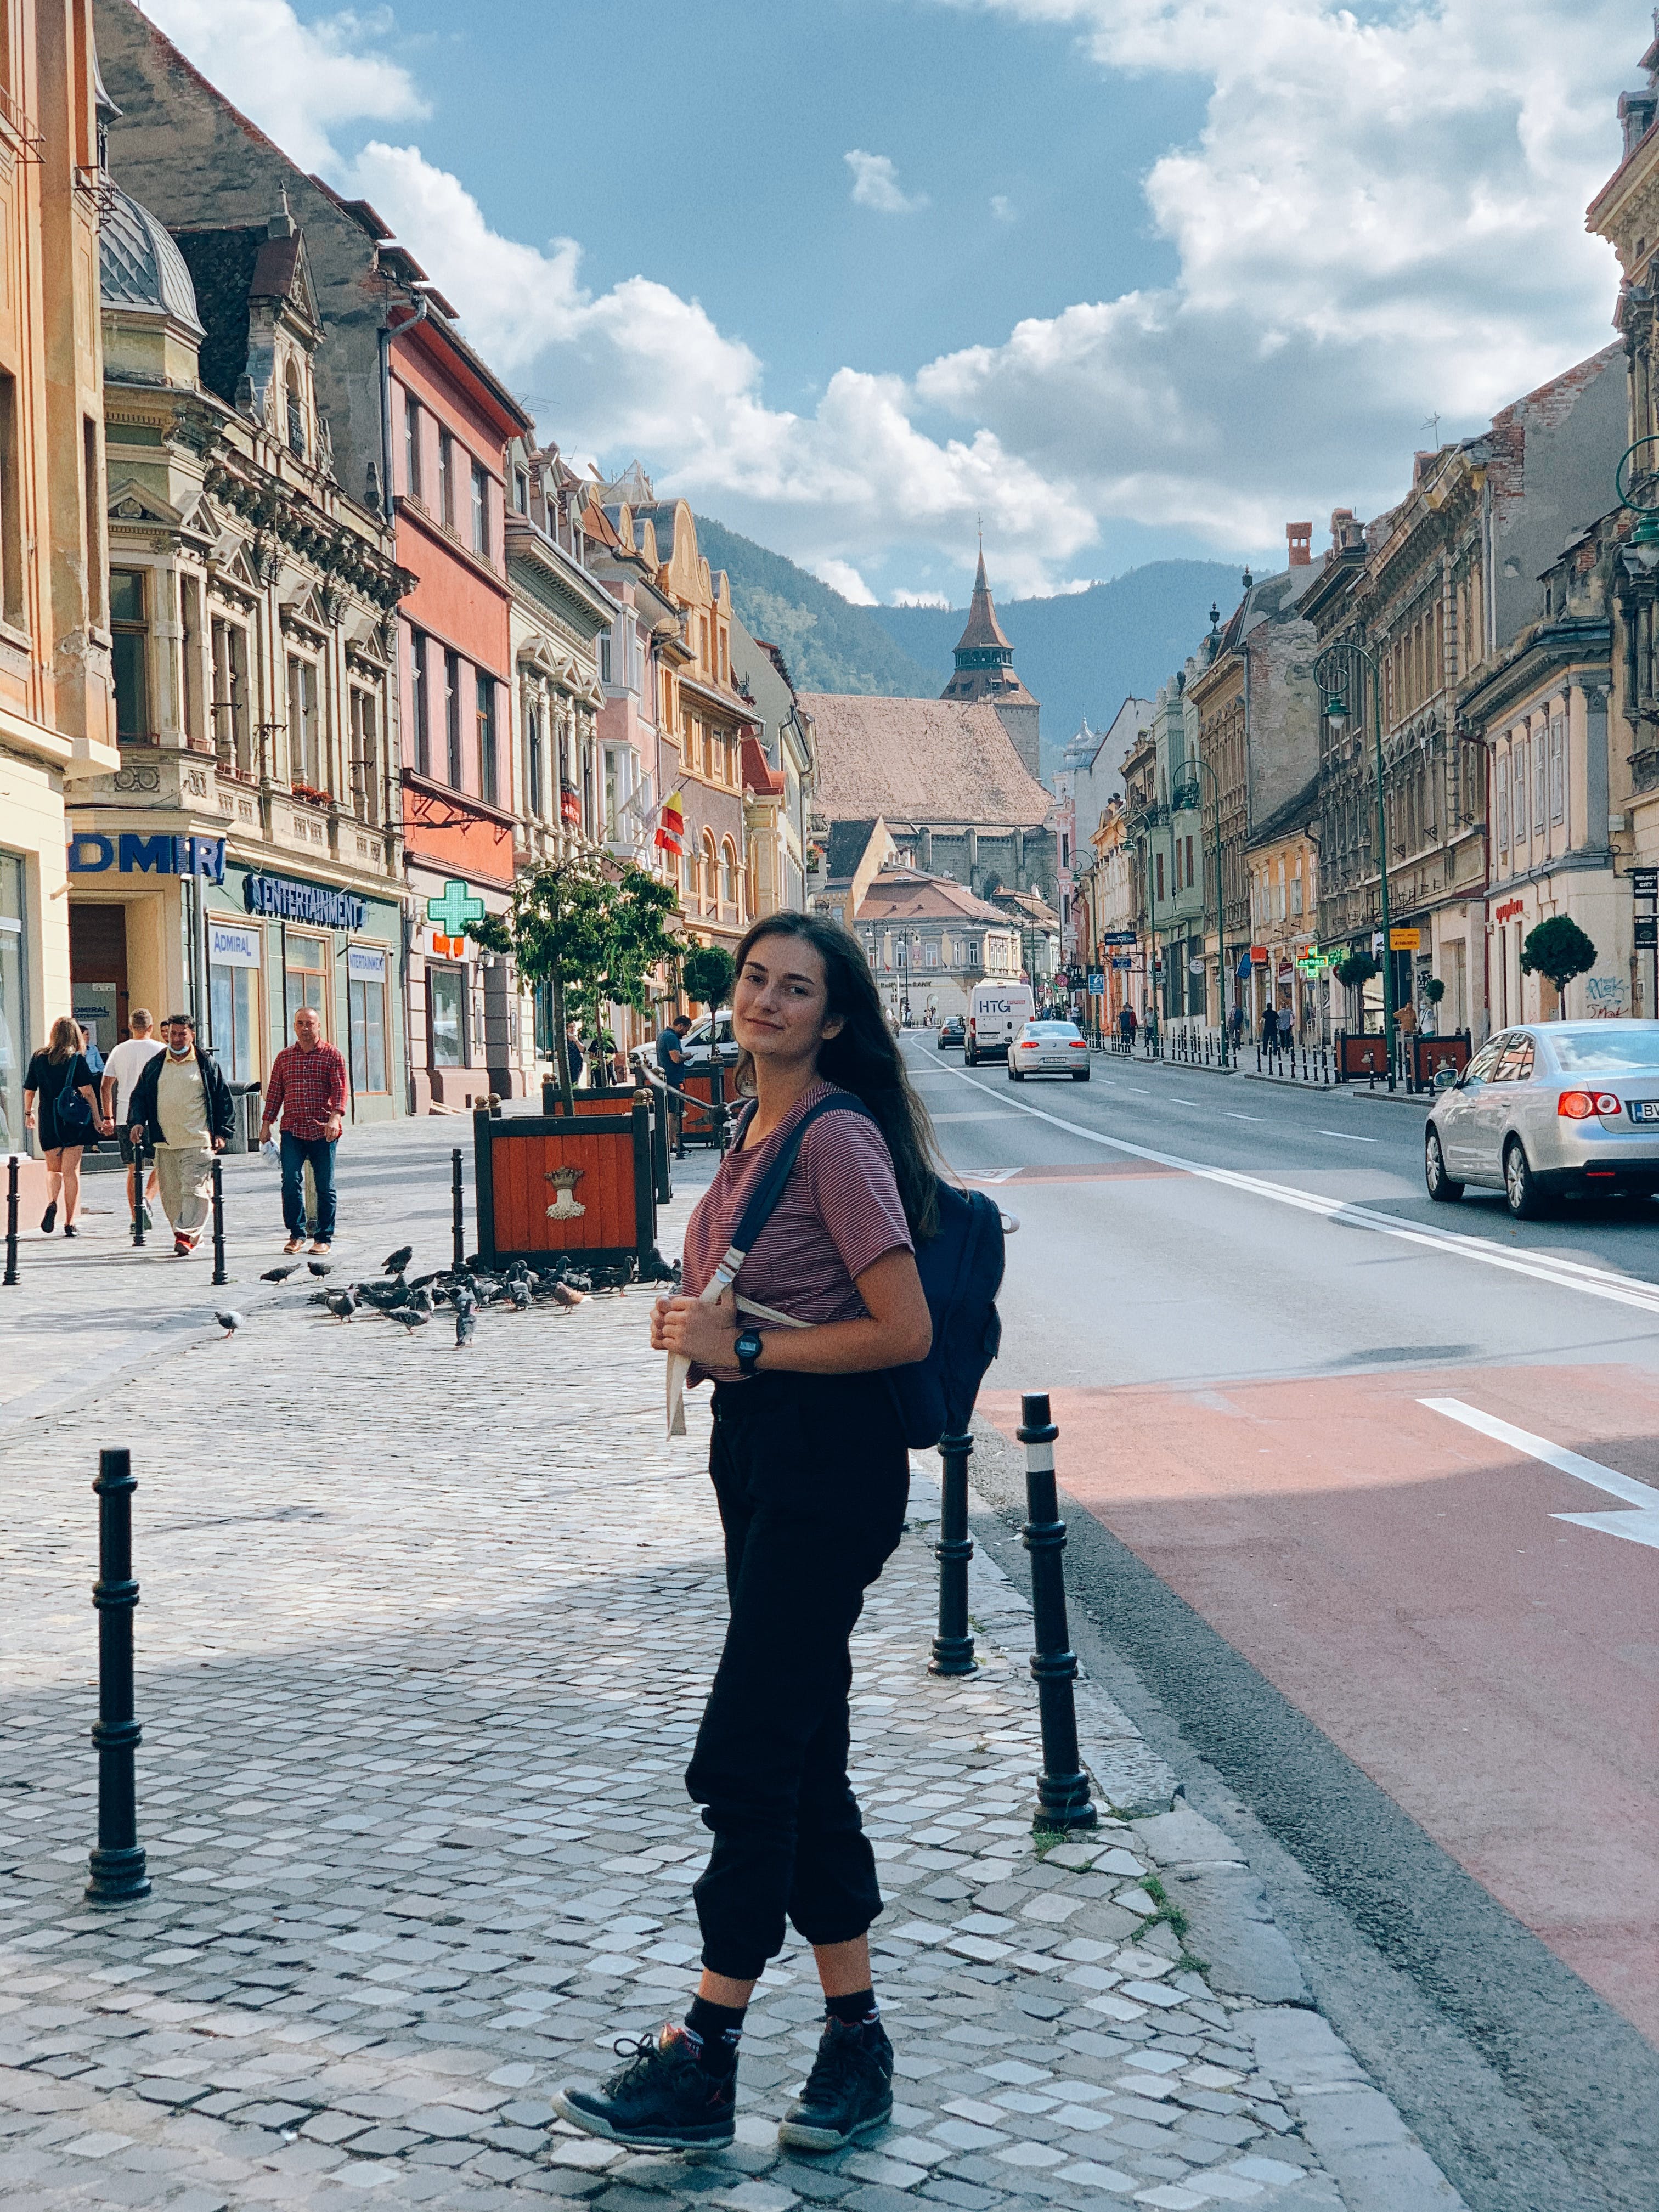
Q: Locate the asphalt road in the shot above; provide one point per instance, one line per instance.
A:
(1371, 1491)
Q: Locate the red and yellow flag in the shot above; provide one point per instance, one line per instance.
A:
(671, 828)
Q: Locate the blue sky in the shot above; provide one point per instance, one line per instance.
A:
(1122, 277)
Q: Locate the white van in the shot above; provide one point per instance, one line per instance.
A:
(996, 1014)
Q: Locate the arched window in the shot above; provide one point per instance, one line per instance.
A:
(728, 874)
(711, 881)
(296, 413)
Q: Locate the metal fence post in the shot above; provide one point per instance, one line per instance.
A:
(219, 1274)
(117, 1864)
(459, 1219)
(1063, 1799)
(12, 1222)
(138, 1196)
(953, 1647)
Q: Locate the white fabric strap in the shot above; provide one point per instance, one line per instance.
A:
(679, 1367)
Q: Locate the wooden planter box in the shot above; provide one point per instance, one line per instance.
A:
(609, 1205)
(701, 1125)
(1430, 1053)
(1360, 1056)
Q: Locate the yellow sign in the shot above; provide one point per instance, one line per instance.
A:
(1404, 941)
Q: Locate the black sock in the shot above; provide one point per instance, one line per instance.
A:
(859, 2010)
(716, 2030)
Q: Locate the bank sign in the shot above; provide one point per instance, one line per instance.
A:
(131, 855)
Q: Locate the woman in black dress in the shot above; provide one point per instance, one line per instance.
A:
(61, 1069)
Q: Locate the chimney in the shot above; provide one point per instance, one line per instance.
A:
(1299, 536)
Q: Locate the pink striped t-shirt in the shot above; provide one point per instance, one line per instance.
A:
(840, 1211)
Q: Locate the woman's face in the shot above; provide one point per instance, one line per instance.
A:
(780, 1000)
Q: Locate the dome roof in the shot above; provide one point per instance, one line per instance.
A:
(139, 265)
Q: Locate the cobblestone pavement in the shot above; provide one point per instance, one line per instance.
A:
(420, 1847)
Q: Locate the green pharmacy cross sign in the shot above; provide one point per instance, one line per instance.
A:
(457, 907)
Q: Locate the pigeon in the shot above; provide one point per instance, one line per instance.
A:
(399, 1294)
(230, 1322)
(320, 1268)
(278, 1274)
(342, 1305)
(421, 1300)
(564, 1296)
(466, 1321)
(462, 1296)
(395, 1262)
(408, 1316)
(319, 1298)
(521, 1297)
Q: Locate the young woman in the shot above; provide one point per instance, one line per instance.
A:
(62, 1067)
(811, 1475)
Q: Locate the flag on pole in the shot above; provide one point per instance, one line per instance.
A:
(671, 828)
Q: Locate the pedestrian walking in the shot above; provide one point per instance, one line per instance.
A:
(60, 1100)
(127, 1062)
(811, 1473)
(308, 1092)
(573, 1048)
(182, 1110)
(671, 1065)
(1269, 1029)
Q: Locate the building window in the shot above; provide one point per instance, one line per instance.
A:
(533, 778)
(233, 739)
(612, 791)
(422, 701)
(446, 480)
(366, 970)
(305, 959)
(728, 874)
(521, 491)
(130, 629)
(711, 880)
(305, 741)
(296, 413)
(92, 489)
(1558, 768)
(11, 530)
(13, 1006)
(480, 512)
(365, 755)
(703, 641)
(234, 1005)
(446, 1017)
(605, 656)
(411, 446)
(1160, 876)
(453, 720)
(1503, 814)
(484, 692)
(190, 651)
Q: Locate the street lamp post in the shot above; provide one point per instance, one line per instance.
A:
(1334, 672)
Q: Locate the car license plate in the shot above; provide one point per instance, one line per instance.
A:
(1642, 1109)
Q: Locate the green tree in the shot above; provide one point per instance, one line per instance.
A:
(1356, 969)
(639, 940)
(708, 974)
(1557, 948)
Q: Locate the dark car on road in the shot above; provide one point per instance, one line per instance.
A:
(952, 1030)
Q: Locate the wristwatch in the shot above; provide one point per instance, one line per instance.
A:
(748, 1349)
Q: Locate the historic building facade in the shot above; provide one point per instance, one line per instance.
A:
(56, 706)
(985, 674)
(244, 859)
(930, 940)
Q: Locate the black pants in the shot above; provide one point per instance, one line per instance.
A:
(812, 1478)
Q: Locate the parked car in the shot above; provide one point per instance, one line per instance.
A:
(996, 1013)
(1049, 1048)
(953, 1030)
(1563, 1108)
(709, 1035)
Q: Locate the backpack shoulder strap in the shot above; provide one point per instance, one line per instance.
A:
(764, 1200)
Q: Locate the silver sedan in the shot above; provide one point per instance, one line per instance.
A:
(1049, 1048)
(1556, 1109)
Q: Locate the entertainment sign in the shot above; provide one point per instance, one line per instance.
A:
(314, 902)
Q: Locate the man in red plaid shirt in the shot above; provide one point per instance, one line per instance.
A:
(307, 1089)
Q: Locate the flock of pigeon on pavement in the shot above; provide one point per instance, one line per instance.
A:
(467, 1290)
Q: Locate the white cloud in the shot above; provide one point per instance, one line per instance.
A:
(1001, 207)
(842, 576)
(296, 81)
(876, 184)
(921, 599)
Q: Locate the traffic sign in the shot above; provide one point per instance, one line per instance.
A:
(1404, 941)
(1097, 984)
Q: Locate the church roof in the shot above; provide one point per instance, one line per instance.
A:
(983, 628)
(920, 761)
(138, 264)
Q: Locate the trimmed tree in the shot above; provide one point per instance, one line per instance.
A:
(1354, 970)
(1557, 948)
(708, 973)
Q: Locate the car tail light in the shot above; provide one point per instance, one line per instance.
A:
(1575, 1105)
(1607, 1104)
(1078, 1045)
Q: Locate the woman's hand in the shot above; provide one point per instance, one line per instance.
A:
(701, 1333)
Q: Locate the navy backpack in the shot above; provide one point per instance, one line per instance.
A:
(961, 1270)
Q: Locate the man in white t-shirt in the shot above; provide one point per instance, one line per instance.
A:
(121, 1072)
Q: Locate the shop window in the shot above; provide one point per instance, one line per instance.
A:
(13, 1009)
(452, 717)
(130, 628)
(484, 692)
(446, 1017)
(366, 1017)
(365, 755)
(307, 960)
(234, 1005)
(305, 734)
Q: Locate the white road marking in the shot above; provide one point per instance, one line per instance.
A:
(1641, 1527)
(1231, 1116)
(1562, 1273)
(1347, 1135)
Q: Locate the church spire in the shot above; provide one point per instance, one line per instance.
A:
(985, 670)
(982, 644)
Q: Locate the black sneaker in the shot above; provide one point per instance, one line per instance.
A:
(662, 2099)
(848, 2094)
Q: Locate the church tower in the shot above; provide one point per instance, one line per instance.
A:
(985, 672)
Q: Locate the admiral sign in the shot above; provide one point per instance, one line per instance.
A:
(129, 853)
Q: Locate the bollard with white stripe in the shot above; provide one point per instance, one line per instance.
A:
(1063, 1799)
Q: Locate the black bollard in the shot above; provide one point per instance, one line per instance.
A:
(117, 1872)
(953, 1647)
(11, 1222)
(138, 1198)
(1063, 1787)
(459, 1223)
(219, 1274)
(717, 1100)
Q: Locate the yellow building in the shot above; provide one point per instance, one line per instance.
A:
(56, 707)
